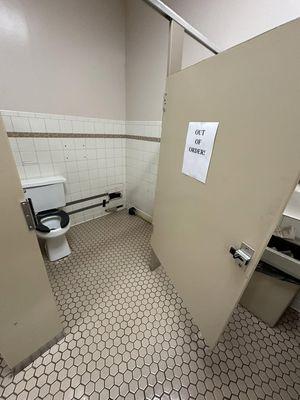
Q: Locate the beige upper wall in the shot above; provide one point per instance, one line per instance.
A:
(224, 22)
(146, 61)
(68, 56)
(230, 22)
(63, 57)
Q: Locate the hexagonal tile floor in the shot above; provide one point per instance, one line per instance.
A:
(129, 336)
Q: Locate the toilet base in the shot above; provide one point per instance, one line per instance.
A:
(57, 248)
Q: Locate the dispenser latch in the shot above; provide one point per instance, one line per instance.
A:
(243, 255)
(28, 212)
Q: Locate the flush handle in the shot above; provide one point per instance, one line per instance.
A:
(243, 255)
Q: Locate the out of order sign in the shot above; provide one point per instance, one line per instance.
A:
(199, 145)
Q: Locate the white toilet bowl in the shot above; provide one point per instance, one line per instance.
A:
(52, 225)
(47, 198)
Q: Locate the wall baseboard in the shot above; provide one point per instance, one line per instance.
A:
(143, 215)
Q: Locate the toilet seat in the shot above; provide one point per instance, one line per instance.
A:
(52, 226)
(57, 219)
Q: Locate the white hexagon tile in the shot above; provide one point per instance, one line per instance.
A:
(129, 336)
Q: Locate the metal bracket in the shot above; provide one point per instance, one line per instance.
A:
(171, 15)
(28, 214)
(243, 255)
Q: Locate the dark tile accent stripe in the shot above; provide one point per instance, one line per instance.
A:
(145, 138)
(82, 135)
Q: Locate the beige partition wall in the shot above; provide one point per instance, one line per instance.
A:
(253, 91)
(28, 314)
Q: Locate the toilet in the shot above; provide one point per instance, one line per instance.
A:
(51, 223)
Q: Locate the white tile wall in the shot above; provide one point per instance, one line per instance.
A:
(17, 121)
(141, 172)
(90, 165)
(144, 128)
(142, 164)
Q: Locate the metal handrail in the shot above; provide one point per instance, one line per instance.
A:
(168, 13)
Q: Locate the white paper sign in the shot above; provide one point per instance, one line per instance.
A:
(198, 149)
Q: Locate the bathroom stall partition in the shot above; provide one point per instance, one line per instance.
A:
(210, 230)
(29, 319)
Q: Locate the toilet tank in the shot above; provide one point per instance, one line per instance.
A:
(45, 193)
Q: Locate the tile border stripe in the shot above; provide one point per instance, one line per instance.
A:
(81, 135)
(145, 138)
